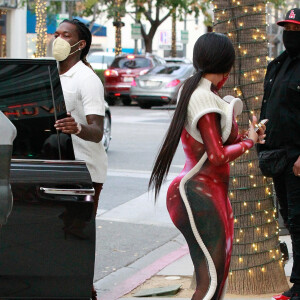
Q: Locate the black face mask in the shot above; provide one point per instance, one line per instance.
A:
(291, 41)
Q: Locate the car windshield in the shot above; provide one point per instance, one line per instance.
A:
(100, 58)
(168, 70)
(131, 63)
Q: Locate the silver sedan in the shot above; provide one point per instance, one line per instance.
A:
(160, 85)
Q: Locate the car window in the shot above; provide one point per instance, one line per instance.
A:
(131, 63)
(157, 61)
(162, 61)
(31, 97)
(169, 70)
(100, 58)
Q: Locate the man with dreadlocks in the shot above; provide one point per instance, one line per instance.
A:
(84, 98)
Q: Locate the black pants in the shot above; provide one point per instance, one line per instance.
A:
(98, 187)
(287, 187)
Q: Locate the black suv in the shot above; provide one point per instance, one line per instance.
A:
(38, 260)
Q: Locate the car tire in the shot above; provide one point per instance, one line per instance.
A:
(126, 101)
(145, 105)
(111, 101)
(106, 131)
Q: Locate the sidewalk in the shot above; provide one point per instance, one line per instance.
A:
(167, 265)
(173, 268)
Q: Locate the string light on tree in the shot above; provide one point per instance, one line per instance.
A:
(118, 24)
(41, 28)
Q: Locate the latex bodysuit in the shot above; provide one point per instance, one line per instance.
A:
(206, 193)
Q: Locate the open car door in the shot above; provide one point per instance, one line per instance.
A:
(7, 135)
(40, 258)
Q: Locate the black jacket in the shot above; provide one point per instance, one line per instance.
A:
(283, 130)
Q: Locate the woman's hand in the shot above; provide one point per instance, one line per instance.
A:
(261, 127)
(256, 137)
(244, 133)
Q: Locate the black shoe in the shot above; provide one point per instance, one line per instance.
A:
(295, 289)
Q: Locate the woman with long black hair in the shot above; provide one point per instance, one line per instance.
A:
(197, 199)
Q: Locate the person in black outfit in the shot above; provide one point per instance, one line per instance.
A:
(281, 105)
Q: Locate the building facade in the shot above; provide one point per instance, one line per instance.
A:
(12, 29)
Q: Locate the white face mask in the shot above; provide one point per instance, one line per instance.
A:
(61, 49)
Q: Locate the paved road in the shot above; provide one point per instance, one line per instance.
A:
(129, 225)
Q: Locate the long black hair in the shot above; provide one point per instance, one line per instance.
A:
(213, 53)
(83, 34)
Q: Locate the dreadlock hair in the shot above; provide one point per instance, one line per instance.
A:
(83, 34)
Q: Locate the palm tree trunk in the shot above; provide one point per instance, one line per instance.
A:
(256, 264)
(118, 25)
(173, 48)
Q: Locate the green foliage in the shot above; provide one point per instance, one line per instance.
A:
(112, 8)
(182, 7)
(90, 3)
(100, 74)
(278, 3)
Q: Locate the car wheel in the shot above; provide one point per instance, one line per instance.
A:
(145, 105)
(106, 132)
(126, 101)
(111, 101)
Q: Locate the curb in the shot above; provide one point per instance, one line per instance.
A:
(141, 276)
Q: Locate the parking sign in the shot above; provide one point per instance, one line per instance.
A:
(136, 31)
(184, 36)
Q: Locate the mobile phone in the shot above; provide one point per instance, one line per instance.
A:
(263, 122)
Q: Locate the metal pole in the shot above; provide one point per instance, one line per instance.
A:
(136, 21)
(184, 45)
(63, 7)
(1, 24)
(70, 10)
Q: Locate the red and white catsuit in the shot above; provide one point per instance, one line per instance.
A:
(197, 199)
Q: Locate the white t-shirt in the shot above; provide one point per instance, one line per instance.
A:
(84, 95)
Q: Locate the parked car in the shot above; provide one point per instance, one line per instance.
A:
(100, 60)
(160, 85)
(106, 128)
(123, 70)
(178, 60)
(39, 259)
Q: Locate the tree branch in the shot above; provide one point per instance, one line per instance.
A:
(148, 16)
(157, 13)
(165, 17)
(131, 16)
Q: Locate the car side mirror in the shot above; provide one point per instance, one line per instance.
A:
(8, 133)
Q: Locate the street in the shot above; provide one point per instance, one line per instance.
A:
(129, 224)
